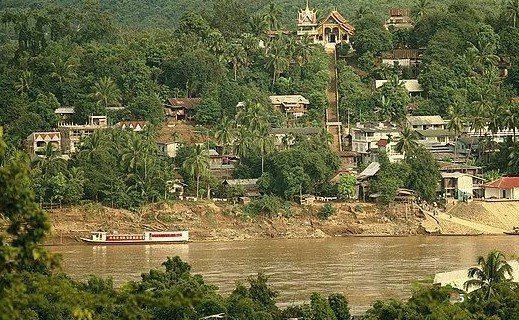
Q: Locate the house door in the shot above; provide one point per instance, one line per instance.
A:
(504, 194)
(332, 38)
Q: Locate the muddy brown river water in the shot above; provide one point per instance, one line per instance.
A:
(364, 269)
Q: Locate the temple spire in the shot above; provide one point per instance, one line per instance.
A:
(307, 8)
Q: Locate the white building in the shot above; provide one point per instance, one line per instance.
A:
(367, 138)
(411, 85)
(505, 188)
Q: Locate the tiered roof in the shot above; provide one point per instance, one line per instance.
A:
(340, 20)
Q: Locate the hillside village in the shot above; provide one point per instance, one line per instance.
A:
(350, 116)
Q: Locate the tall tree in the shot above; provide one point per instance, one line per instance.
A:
(197, 164)
(272, 16)
(106, 93)
(406, 143)
(225, 133)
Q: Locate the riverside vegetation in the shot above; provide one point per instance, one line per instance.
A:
(31, 286)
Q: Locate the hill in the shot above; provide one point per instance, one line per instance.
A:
(166, 13)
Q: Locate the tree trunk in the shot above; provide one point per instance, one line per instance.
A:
(197, 185)
(262, 163)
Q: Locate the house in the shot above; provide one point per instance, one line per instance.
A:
(168, 149)
(411, 85)
(286, 137)
(426, 122)
(459, 167)
(461, 186)
(389, 147)
(403, 57)
(369, 137)
(181, 109)
(505, 188)
(136, 126)
(37, 142)
(249, 185)
(435, 136)
(293, 105)
(64, 113)
(72, 134)
(399, 18)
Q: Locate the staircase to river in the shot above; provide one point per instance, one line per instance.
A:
(333, 123)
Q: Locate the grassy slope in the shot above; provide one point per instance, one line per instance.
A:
(163, 13)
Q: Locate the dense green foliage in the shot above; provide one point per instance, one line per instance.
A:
(304, 168)
(163, 13)
(419, 172)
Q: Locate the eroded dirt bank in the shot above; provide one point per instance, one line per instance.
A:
(208, 221)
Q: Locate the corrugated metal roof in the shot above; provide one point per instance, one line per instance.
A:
(305, 131)
(289, 99)
(435, 133)
(370, 171)
(425, 120)
(411, 85)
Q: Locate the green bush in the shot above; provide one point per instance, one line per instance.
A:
(266, 205)
(327, 211)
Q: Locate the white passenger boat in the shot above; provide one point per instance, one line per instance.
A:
(148, 237)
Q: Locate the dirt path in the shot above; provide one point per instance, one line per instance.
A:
(471, 224)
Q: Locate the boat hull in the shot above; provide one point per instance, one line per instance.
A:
(131, 242)
(512, 233)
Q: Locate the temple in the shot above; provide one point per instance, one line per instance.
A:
(333, 30)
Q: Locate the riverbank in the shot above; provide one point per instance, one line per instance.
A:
(209, 221)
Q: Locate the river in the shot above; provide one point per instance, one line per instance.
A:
(364, 269)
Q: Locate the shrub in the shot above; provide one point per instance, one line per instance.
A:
(327, 211)
(266, 205)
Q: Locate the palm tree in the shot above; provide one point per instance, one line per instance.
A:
(197, 164)
(512, 11)
(105, 91)
(482, 56)
(407, 141)
(63, 70)
(257, 25)
(455, 123)
(511, 118)
(265, 144)
(24, 82)
(237, 57)
(513, 155)
(304, 50)
(244, 143)
(225, 133)
(478, 119)
(277, 60)
(489, 272)
(272, 16)
(495, 119)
